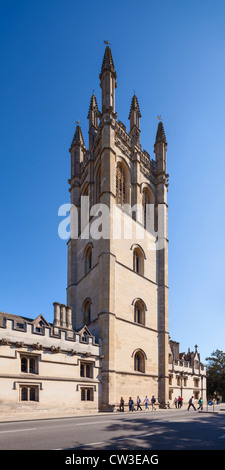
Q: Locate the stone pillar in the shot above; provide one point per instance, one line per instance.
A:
(63, 316)
(56, 314)
(69, 317)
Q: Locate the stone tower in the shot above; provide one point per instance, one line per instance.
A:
(117, 262)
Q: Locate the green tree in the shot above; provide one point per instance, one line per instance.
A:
(216, 373)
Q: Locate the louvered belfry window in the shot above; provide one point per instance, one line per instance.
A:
(120, 185)
(146, 201)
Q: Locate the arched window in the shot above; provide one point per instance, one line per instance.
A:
(29, 393)
(24, 394)
(29, 364)
(88, 259)
(32, 394)
(138, 261)
(139, 312)
(23, 364)
(82, 370)
(139, 361)
(32, 366)
(88, 370)
(98, 185)
(120, 185)
(87, 312)
(89, 394)
(146, 201)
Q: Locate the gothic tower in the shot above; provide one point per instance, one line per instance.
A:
(118, 262)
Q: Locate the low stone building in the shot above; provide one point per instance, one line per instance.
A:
(187, 374)
(51, 367)
(48, 366)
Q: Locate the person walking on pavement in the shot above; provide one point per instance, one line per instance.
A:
(131, 404)
(190, 403)
(175, 402)
(121, 404)
(153, 400)
(146, 400)
(179, 401)
(200, 402)
(139, 404)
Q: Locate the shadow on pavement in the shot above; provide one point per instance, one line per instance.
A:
(203, 432)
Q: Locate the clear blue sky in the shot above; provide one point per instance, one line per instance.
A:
(173, 54)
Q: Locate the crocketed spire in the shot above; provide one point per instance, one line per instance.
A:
(78, 137)
(134, 106)
(160, 134)
(107, 63)
(93, 105)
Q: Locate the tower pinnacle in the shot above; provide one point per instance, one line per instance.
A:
(93, 116)
(134, 107)
(78, 137)
(160, 134)
(108, 82)
(134, 118)
(93, 110)
(107, 63)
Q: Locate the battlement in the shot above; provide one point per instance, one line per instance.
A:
(179, 365)
(39, 334)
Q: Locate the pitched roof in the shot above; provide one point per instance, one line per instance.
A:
(22, 320)
(84, 331)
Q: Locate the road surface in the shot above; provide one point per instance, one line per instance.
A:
(163, 429)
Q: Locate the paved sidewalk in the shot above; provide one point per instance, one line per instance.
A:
(16, 414)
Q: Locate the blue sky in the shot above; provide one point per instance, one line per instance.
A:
(173, 54)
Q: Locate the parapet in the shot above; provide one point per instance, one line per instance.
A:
(41, 334)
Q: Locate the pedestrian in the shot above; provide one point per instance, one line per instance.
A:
(180, 399)
(200, 402)
(146, 400)
(139, 403)
(190, 403)
(121, 404)
(153, 400)
(131, 404)
(175, 402)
